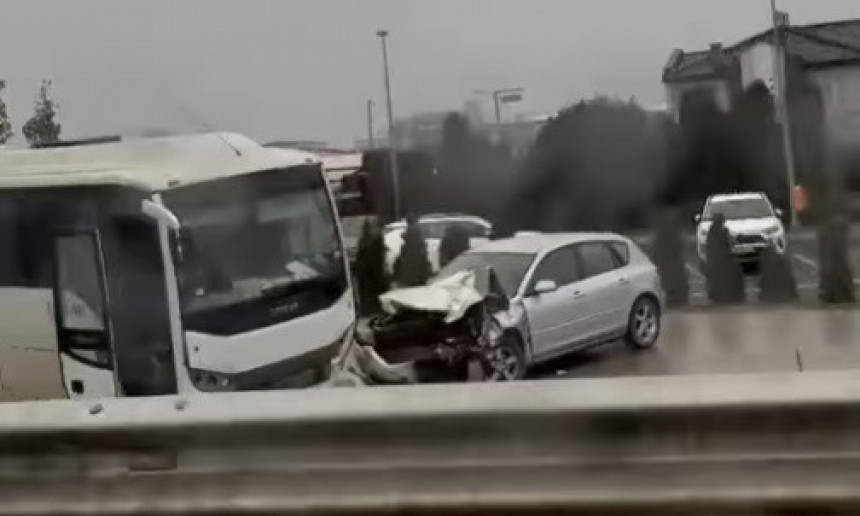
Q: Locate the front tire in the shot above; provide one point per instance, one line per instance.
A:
(505, 361)
(643, 327)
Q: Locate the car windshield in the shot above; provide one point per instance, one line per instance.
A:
(510, 268)
(739, 209)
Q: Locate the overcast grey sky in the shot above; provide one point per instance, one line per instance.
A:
(303, 69)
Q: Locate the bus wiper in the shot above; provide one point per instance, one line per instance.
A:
(283, 289)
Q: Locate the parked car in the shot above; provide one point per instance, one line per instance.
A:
(751, 220)
(351, 229)
(567, 292)
(434, 227)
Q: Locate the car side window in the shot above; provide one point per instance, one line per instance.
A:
(621, 253)
(596, 258)
(559, 266)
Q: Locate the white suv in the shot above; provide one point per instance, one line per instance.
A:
(751, 220)
(433, 227)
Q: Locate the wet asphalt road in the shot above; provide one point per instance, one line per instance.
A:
(728, 340)
(803, 251)
(743, 339)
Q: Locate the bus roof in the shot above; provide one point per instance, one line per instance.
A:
(152, 164)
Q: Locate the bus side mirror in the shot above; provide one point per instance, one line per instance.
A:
(697, 218)
(160, 214)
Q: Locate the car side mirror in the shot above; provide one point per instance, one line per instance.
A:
(545, 287)
(779, 212)
(497, 303)
(697, 218)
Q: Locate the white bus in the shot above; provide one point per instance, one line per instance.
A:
(159, 266)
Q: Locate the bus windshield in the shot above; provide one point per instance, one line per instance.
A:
(256, 250)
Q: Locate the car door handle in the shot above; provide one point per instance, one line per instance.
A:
(623, 281)
(578, 295)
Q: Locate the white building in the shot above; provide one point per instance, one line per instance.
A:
(827, 55)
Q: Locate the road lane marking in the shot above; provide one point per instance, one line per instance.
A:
(802, 235)
(806, 260)
(813, 264)
(695, 272)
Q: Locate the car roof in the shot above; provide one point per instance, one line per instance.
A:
(153, 164)
(542, 242)
(737, 197)
(441, 217)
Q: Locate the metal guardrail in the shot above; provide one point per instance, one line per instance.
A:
(777, 443)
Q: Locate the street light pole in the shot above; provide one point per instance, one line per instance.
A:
(499, 98)
(392, 144)
(370, 142)
(780, 78)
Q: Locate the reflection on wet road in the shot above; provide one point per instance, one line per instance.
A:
(729, 340)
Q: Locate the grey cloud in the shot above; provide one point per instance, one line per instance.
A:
(302, 69)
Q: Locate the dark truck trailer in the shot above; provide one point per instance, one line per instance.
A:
(370, 191)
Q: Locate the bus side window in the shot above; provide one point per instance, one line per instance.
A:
(11, 274)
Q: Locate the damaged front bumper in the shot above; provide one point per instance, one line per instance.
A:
(441, 332)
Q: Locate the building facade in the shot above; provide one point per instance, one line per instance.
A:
(826, 56)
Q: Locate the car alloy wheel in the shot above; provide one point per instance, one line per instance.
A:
(504, 361)
(644, 326)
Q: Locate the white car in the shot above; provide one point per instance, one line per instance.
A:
(751, 220)
(568, 292)
(434, 227)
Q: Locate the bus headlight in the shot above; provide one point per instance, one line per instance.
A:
(209, 381)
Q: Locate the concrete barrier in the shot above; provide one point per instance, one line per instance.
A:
(740, 444)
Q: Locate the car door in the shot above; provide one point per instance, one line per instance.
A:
(603, 287)
(552, 315)
(625, 276)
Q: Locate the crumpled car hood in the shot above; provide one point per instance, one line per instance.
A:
(451, 296)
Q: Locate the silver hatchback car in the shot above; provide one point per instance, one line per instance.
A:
(567, 292)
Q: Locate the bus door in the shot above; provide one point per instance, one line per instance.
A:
(81, 308)
(139, 314)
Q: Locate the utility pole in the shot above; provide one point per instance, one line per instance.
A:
(370, 142)
(392, 143)
(502, 96)
(497, 107)
(782, 110)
